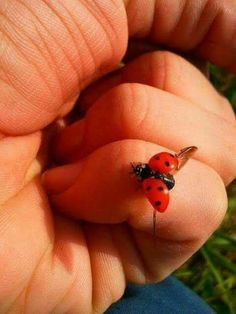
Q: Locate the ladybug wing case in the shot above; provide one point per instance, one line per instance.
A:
(157, 193)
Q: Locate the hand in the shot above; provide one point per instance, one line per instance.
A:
(49, 52)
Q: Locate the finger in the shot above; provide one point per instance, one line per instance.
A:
(49, 51)
(205, 27)
(166, 71)
(105, 192)
(143, 112)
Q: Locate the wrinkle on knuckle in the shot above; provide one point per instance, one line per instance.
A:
(133, 109)
(21, 38)
(166, 64)
(107, 34)
(64, 31)
(79, 33)
(3, 39)
(112, 42)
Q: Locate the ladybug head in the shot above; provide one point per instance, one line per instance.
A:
(164, 162)
(141, 171)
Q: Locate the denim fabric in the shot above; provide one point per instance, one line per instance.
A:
(168, 297)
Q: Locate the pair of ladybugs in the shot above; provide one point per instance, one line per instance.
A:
(157, 176)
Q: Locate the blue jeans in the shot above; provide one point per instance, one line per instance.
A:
(168, 297)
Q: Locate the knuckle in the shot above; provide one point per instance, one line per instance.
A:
(135, 111)
(168, 65)
(129, 105)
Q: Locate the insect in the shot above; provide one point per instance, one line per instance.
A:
(157, 177)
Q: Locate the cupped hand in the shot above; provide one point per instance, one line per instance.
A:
(49, 52)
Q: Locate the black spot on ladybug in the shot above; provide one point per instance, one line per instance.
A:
(148, 188)
(157, 203)
(160, 188)
(157, 158)
(167, 163)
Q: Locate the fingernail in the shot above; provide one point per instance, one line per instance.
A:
(58, 180)
(69, 140)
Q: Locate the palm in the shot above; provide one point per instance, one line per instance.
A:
(72, 265)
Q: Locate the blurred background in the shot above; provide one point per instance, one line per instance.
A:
(211, 272)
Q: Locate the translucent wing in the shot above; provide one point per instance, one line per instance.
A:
(184, 154)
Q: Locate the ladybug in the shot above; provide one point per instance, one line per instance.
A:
(157, 177)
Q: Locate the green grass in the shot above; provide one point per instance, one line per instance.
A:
(211, 272)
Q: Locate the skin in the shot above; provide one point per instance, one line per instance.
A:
(50, 51)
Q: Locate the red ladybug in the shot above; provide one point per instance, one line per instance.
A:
(157, 176)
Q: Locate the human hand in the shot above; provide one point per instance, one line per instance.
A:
(48, 260)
